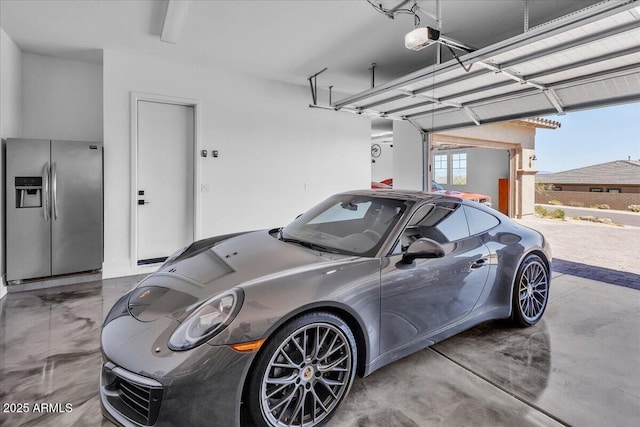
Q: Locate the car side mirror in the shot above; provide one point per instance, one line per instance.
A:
(423, 248)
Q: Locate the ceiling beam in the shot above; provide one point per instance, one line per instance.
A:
(175, 17)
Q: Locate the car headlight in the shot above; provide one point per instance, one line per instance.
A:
(207, 321)
(119, 309)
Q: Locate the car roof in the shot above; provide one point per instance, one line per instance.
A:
(404, 195)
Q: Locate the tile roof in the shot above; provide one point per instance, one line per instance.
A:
(539, 122)
(618, 172)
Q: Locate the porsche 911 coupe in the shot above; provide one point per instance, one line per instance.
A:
(270, 327)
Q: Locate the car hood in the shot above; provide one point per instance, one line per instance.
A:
(179, 287)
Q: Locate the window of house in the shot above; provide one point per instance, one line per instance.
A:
(441, 172)
(459, 169)
(595, 190)
(613, 190)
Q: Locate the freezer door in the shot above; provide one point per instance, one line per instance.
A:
(28, 229)
(76, 206)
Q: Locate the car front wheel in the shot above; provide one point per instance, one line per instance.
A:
(303, 373)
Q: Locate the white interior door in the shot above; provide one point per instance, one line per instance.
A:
(165, 179)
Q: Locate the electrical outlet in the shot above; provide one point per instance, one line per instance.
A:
(204, 188)
(307, 186)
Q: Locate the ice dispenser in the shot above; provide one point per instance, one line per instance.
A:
(28, 192)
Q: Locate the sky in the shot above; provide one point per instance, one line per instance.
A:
(589, 137)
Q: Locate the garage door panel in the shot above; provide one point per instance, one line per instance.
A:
(550, 77)
(509, 107)
(588, 59)
(576, 59)
(609, 89)
(443, 120)
(509, 87)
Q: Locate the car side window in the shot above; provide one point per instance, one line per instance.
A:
(479, 221)
(453, 226)
(443, 222)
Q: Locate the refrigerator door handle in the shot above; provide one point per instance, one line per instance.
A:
(45, 195)
(54, 191)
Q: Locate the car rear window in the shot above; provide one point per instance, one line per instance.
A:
(479, 221)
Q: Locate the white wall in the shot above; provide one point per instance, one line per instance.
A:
(408, 157)
(270, 143)
(10, 110)
(382, 167)
(61, 99)
(11, 84)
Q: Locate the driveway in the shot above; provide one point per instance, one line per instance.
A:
(609, 246)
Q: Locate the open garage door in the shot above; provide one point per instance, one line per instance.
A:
(584, 60)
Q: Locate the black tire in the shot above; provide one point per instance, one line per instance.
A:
(304, 382)
(530, 292)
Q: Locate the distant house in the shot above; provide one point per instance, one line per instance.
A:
(614, 183)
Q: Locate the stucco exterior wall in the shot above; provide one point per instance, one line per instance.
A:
(587, 187)
(587, 199)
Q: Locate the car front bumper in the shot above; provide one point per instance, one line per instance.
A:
(143, 383)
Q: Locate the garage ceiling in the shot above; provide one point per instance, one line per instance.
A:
(586, 59)
(285, 40)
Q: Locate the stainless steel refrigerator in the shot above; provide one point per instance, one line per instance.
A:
(53, 208)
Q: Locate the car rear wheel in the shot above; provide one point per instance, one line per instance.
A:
(303, 373)
(530, 291)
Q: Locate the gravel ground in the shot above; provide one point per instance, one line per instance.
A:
(601, 245)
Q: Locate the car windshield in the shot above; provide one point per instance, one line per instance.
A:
(347, 224)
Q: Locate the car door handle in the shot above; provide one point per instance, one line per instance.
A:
(479, 263)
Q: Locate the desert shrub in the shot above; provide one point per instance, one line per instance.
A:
(634, 208)
(555, 202)
(546, 213)
(601, 206)
(576, 204)
(541, 210)
(543, 188)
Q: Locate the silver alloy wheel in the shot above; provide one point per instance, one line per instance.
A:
(307, 376)
(533, 290)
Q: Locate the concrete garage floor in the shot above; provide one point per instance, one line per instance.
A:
(579, 366)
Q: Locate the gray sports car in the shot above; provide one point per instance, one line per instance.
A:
(270, 327)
